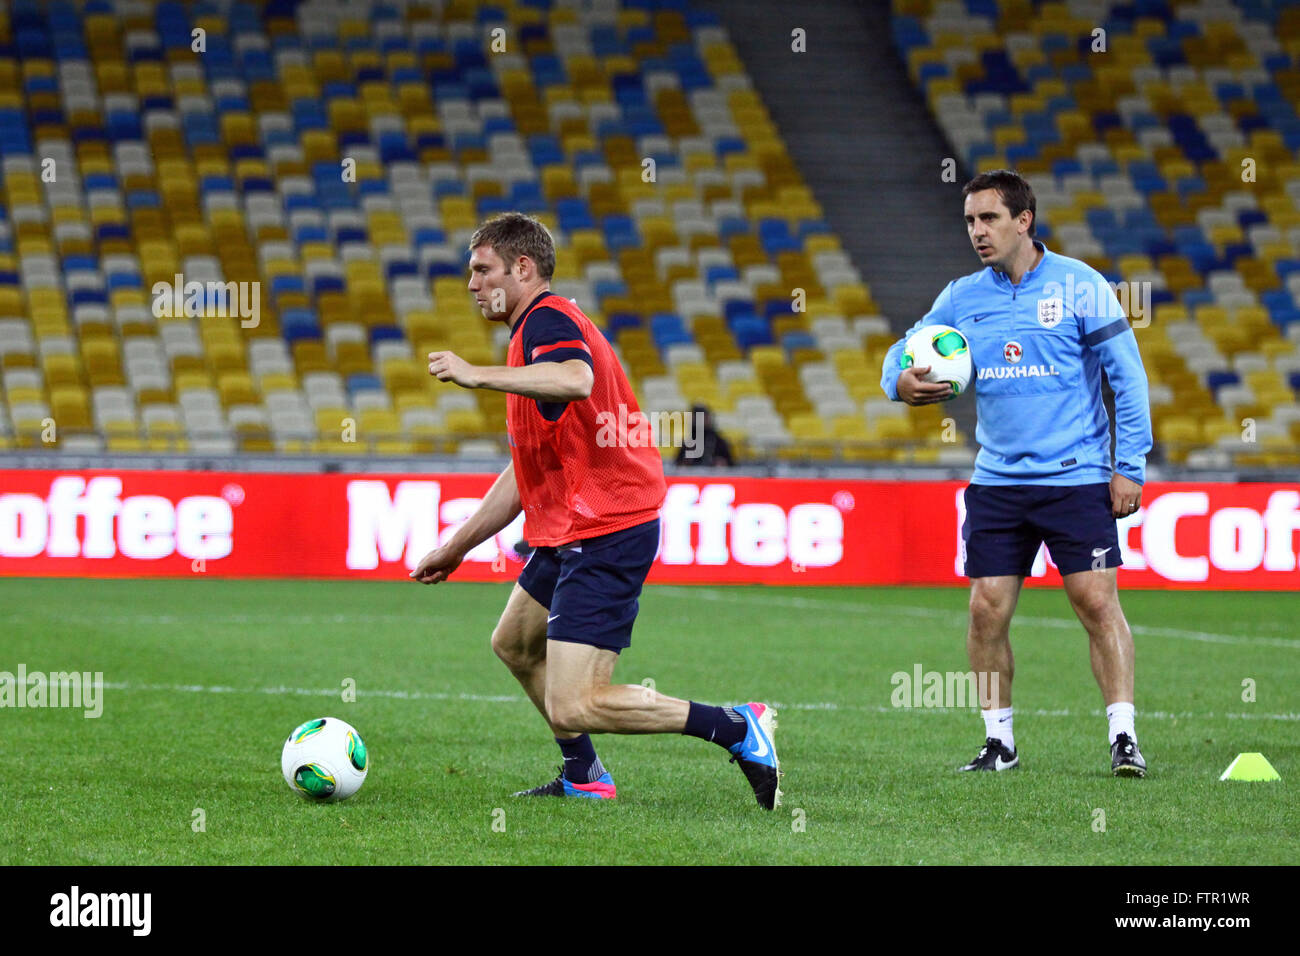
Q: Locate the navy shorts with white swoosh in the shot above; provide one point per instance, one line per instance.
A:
(1005, 524)
(591, 588)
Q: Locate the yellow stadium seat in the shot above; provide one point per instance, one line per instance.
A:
(891, 429)
(465, 422)
(159, 428)
(1179, 429)
(61, 369)
(850, 427)
(23, 395)
(334, 421)
(236, 388)
(805, 427)
(374, 423)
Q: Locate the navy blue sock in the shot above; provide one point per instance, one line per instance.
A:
(722, 725)
(581, 765)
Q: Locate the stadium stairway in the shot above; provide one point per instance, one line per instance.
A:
(864, 140)
(867, 145)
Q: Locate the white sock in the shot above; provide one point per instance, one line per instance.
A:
(1120, 717)
(997, 724)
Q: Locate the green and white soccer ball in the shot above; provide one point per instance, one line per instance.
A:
(947, 353)
(325, 760)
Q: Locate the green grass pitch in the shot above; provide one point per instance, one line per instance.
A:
(205, 678)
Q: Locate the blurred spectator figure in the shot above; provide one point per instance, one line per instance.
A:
(701, 443)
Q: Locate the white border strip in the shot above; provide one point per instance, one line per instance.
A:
(517, 699)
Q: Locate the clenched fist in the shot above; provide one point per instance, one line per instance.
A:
(450, 367)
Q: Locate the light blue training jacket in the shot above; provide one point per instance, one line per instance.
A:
(1039, 349)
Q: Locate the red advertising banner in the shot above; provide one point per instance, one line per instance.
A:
(715, 530)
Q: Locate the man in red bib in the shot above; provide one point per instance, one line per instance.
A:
(591, 494)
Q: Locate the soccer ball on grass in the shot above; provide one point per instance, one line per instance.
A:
(325, 760)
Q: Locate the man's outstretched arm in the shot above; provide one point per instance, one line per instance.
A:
(500, 507)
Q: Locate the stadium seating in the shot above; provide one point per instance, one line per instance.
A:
(1160, 137)
(332, 158)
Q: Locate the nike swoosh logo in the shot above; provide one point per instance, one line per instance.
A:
(979, 318)
(762, 749)
(1098, 552)
(551, 618)
(1001, 764)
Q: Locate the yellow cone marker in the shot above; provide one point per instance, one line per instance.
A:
(1250, 767)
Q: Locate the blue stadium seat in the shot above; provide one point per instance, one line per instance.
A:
(298, 324)
(750, 330)
(1217, 380)
(618, 321)
(363, 381)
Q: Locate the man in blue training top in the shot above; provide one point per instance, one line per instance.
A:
(1041, 329)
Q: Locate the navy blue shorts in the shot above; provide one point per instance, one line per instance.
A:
(1005, 524)
(591, 587)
